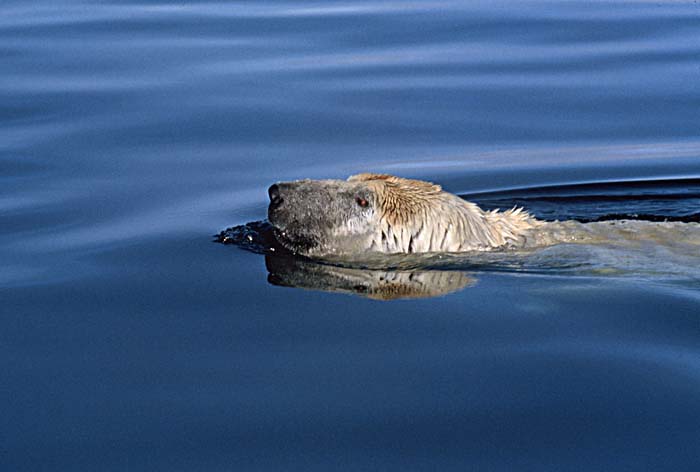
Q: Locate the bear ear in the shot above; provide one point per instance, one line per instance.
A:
(408, 184)
(369, 176)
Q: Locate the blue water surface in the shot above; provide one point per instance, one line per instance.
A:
(133, 131)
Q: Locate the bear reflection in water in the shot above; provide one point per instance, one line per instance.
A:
(290, 271)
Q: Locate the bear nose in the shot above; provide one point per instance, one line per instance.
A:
(275, 197)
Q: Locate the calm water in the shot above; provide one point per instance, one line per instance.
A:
(131, 132)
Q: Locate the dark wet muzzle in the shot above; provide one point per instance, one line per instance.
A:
(275, 197)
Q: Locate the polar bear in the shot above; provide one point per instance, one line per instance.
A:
(387, 214)
(379, 213)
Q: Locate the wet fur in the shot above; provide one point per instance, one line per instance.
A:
(418, 216)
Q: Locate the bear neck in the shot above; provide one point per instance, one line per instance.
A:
(447, 223)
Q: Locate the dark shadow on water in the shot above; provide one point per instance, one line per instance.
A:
(256, 236)
(646, 200)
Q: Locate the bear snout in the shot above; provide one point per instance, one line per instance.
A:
(275, 196)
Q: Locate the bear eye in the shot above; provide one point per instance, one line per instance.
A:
(362, 202)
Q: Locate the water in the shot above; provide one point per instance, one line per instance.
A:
(131, 132)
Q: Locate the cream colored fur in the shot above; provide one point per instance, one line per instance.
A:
(415, 216)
